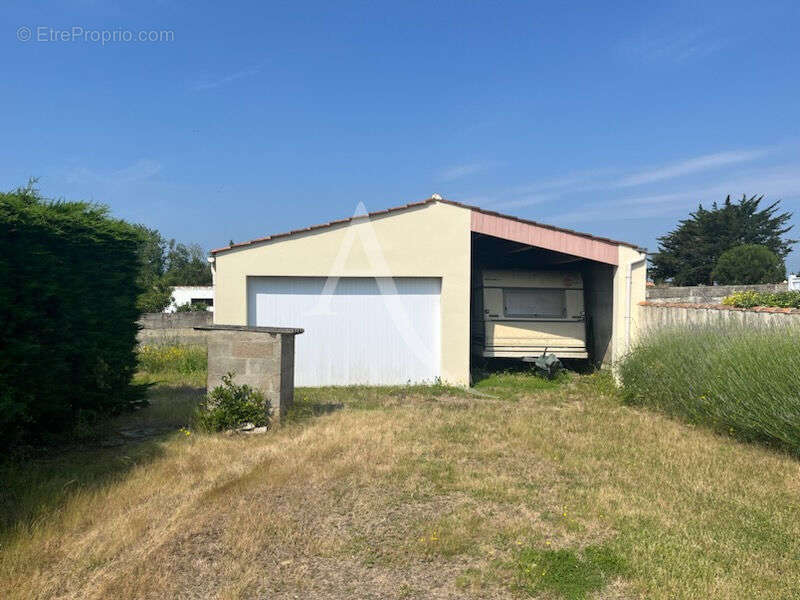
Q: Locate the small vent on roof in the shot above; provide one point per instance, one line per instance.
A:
(435, 197)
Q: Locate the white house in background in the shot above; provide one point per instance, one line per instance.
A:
(191, 294)
(794, 282)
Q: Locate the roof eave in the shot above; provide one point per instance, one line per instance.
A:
(394, 209)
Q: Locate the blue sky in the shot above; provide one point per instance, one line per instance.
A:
(254, 117)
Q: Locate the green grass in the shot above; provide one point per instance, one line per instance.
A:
(739, 380)
(566, 573)
(511, 384)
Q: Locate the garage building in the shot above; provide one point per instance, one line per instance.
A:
(384, 297)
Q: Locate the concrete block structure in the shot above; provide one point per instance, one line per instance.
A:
(261, 357)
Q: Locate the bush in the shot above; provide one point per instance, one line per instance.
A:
(156, 297)
(229, 406)
(189, 307)
(749, 263)
(739, 380)
(749, 299)
(179, 359)
(67, 315)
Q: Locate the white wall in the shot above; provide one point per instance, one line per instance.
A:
(183, 294)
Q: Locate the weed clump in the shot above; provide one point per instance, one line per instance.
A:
(230, 406)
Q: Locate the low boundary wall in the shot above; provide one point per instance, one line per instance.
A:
(654, 315)
(174, 328)
(707, 294)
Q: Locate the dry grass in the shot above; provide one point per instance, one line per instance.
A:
(419, 494)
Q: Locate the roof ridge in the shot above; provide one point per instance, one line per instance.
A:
(414, 205)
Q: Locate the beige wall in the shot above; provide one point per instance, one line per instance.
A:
(621, 342)
(432, 240)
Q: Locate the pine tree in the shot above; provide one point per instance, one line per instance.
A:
(688, 254)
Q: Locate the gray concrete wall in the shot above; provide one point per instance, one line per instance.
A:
(261, 357)
(707, 294)
(655, 315)
(174, 328)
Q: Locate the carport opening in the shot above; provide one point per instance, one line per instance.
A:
(501, 255)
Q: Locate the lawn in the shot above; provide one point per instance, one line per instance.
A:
(519, 488)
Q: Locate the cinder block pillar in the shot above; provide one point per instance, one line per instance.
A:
(261, 357)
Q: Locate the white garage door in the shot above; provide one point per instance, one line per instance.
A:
(358, 330)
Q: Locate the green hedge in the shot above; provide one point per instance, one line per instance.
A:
(736, 379)
(67, 315)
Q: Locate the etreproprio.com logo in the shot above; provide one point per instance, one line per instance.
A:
(44, 33)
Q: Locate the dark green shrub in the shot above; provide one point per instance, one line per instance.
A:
(749, 263)
(736, 379)
(67, 315)
(788, 299)
(229, 406)
(189, 307)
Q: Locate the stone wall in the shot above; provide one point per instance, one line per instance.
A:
(261, 357)
(707, 294)
(174, 328)
(654, 315)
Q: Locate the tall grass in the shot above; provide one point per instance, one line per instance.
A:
(741, 380)
(175, 364)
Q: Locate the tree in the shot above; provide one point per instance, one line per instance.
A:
(164, 264)
(156, 295)
(749, 263)
(688, 254)
(187, 265)
(152, 255)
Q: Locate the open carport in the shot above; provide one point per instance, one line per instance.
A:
(385, 298)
